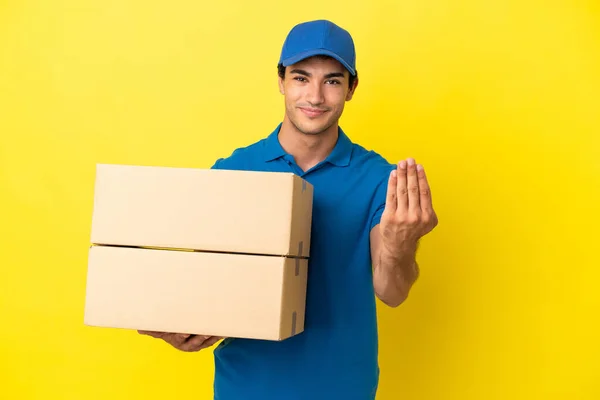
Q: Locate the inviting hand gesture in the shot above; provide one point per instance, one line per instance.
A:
(408, 216)
(408, 213)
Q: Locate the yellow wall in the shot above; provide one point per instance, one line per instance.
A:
(499, 100)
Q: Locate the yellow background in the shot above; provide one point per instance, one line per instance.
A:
(499, 100)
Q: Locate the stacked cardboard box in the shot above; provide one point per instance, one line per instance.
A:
(212, 252)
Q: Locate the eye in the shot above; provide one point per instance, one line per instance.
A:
(300, 79)
(333, 82)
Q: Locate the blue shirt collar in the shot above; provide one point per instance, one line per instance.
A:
(339, 156)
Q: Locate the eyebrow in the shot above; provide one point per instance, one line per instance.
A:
(328, 76)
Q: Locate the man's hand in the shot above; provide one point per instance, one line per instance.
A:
(408, 213)
(184, 342)
(408, 216)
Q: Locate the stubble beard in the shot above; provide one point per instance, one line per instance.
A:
(307, 132)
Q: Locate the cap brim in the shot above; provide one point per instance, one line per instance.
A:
(316, 52)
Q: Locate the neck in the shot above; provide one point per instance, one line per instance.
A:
(307, 150)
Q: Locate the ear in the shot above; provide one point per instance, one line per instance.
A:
(281, 86)
(352, 90)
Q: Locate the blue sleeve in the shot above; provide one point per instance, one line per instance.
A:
(376, 217)
(217, 164)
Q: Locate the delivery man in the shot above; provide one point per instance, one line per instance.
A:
(368, 217)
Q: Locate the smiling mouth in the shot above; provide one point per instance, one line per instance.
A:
(312, 112)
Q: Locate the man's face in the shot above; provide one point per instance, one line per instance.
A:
(315, 91)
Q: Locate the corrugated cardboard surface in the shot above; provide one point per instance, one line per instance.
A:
(250, 232)
(219, 294)
(214, 210)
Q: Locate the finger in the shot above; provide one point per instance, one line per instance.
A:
(401, 190)
(154, 334)
(210, 342)
(194, 343)
(175, 339)
(179, 339)
(390, 201)
(412, 185)
(424, 191)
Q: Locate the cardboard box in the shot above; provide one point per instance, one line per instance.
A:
(218, 294)
(201, 209)
(199, 251)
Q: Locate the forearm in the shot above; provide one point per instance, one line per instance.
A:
(408, 216)
(394, 275)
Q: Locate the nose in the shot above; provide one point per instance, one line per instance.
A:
(315, 94)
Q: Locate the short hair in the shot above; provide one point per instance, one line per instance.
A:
(281, 73)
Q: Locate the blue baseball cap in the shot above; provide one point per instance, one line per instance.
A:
(320, 37)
